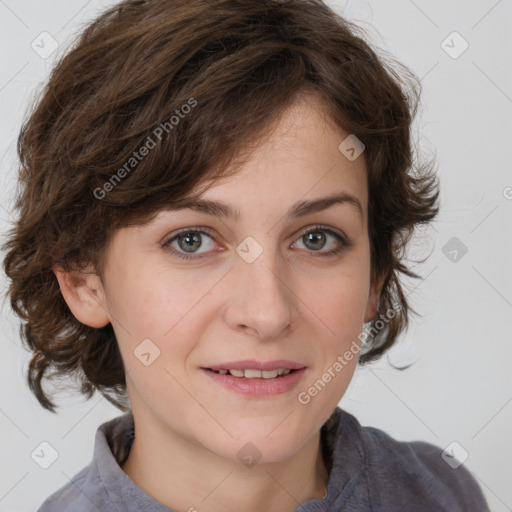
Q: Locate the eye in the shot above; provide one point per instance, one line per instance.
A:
(316, 238)
(185, 244)
(188, 240)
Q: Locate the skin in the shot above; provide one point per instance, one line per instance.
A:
(291, 303)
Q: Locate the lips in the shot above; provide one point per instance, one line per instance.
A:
(257, 378)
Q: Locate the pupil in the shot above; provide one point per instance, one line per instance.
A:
(315, 237)
(194, 237)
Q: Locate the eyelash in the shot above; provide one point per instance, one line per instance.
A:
(344, 243)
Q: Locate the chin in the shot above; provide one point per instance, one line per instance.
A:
(260, 444)
(249, 453)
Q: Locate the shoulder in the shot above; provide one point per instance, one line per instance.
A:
(79, 494)
(373, 470)
(416, 471)
(87, 490)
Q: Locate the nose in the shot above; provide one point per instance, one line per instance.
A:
(261, 301)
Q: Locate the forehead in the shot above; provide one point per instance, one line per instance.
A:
(298, 165)
(301, 159)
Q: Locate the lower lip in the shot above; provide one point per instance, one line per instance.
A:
(257, 387)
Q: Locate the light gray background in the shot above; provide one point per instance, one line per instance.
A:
(459, 388)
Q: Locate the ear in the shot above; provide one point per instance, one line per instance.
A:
(372, 306)
(84, 294)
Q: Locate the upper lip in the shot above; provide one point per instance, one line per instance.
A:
(257, 365)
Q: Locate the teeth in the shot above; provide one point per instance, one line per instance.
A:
(257, 374)
(252, 374)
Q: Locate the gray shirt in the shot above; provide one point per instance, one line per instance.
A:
(368, 471)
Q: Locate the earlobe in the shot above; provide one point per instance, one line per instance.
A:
(83, 292)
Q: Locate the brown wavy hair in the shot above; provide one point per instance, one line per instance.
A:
(134, 68)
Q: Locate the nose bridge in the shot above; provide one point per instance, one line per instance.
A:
(264, 254)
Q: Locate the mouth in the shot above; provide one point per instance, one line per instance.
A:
(251, 373)
(257, 379)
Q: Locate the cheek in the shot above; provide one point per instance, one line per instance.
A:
(165, 317)
(149, 302)
(339, 301)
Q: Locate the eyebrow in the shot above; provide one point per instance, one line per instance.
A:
(299, 209)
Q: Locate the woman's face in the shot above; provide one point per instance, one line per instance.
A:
(282, 285)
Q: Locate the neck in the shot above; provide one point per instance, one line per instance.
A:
(186, 477)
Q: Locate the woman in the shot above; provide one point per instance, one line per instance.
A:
(215, 200)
